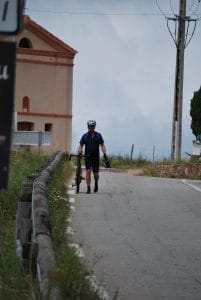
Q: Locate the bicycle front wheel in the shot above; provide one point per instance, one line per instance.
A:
(77, 182)
(78, 178)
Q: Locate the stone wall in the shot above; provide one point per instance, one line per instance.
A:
(186, 170)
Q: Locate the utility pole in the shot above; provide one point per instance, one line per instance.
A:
(178, 91)
(181, 39)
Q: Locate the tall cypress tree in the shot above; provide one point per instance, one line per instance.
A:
(195, 112)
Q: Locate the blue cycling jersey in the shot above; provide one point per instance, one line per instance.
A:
(92, 143)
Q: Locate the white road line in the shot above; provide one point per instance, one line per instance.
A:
(72, 208)
(78, 250)
(191, 185)
(69, 220)
(70, 231)
(72, 200)
(98, 289)
(71, 192)
(80, 253)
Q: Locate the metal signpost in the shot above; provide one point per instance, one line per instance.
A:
(7, 80)
(10, 23)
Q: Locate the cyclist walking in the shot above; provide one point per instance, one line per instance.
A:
(92, 141)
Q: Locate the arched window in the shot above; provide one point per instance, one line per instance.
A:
(25, 43)
(25, 126)
(26, 104)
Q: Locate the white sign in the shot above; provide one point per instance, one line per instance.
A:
(4, 72)
(9, 16)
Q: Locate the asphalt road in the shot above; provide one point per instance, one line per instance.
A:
(142, 236)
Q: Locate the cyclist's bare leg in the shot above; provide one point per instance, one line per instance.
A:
(88, 180)
(96, 178)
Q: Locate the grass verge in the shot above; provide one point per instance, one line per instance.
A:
(70, 275)
(13, 285)
(125, 162)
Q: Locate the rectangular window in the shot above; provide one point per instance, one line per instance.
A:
(48, 127)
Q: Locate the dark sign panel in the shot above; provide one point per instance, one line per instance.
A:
(7, 85)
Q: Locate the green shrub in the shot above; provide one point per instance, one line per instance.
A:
(13, 285)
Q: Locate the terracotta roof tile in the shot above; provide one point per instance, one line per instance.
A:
(48, 37)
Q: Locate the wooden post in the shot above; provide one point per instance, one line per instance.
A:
(178, 92)
(132, 149)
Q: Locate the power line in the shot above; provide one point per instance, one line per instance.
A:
(196, 9)
(190, 8)
(157, 4)
(166, 15)
(92, 13)
(172, 8)
(187, 19)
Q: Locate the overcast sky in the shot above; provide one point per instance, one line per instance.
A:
(124, 70)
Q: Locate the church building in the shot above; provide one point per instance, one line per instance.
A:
(44, 84)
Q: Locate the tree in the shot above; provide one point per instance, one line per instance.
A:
(195, 112)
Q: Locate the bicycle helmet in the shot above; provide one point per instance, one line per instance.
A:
(91, 123)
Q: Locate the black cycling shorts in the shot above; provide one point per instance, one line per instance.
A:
(92, 163)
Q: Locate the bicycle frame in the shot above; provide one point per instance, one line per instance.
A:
(78, 172)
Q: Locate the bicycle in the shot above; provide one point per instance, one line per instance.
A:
(78, 171)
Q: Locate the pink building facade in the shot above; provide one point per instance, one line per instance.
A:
(44, 85)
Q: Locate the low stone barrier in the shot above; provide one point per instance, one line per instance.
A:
(33, 230)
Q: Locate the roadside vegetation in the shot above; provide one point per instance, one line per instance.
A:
(125, 162)
(120, 161)
(13, 285)
(188, 168)
(195, 112)
(70, 276)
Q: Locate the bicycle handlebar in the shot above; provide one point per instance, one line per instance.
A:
(77, 155)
